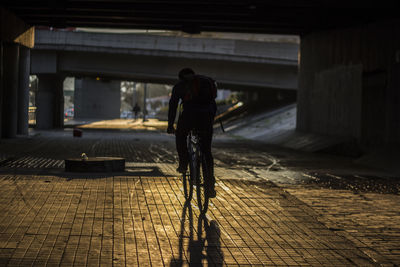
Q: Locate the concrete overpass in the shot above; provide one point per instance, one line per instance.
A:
(349, 71)
(235, 64)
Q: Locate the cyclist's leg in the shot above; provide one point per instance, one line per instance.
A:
(206, 148)
(182, 130)
(206, 139)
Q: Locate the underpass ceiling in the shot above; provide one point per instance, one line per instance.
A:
(277, 16)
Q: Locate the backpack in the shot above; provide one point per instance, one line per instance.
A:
(201, 90)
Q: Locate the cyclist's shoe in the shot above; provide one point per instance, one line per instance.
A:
(211, 192)
(182, 168)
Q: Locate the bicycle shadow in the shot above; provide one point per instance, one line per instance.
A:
(205, 250)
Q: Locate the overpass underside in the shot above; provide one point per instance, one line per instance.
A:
(235, 64)
(240, 65)
(154, 69)
(348, 79)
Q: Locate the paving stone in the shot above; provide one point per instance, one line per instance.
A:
(140, 217)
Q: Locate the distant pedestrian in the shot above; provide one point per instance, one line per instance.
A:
(136, 110)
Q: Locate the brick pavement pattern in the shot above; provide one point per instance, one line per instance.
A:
(140, 217)
(125, 221)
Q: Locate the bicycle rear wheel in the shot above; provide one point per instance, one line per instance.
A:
(201, 187)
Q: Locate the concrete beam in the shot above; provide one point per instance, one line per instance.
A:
(43, 62)
(13, 29)
(243, 75)
(169, 46)
(235, 64)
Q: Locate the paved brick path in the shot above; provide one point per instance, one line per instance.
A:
(140, 217)
(138, 221)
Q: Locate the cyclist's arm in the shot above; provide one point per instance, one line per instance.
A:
(216, 88)
(173, 105)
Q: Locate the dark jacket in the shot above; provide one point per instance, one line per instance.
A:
(182, 91)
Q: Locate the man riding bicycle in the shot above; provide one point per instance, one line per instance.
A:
(197, 94)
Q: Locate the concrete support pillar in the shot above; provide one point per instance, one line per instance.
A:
(23, 90)
(59, 103)
(134, 95)
(1, 86)
(392, 102)
(10, 90)
(144, 102)
(97, 99)
(50, 102)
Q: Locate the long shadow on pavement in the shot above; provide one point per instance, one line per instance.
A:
(206, 249)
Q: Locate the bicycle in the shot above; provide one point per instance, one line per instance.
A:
(198, 168)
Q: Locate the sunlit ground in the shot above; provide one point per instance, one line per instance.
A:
(128, 124)
(122, 124)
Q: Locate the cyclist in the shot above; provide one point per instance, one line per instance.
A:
(197, 94)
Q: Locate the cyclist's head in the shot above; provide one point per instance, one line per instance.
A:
(186, 74)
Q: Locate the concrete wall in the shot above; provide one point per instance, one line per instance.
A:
(349, 83)
(97, 99)
(337, 91)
